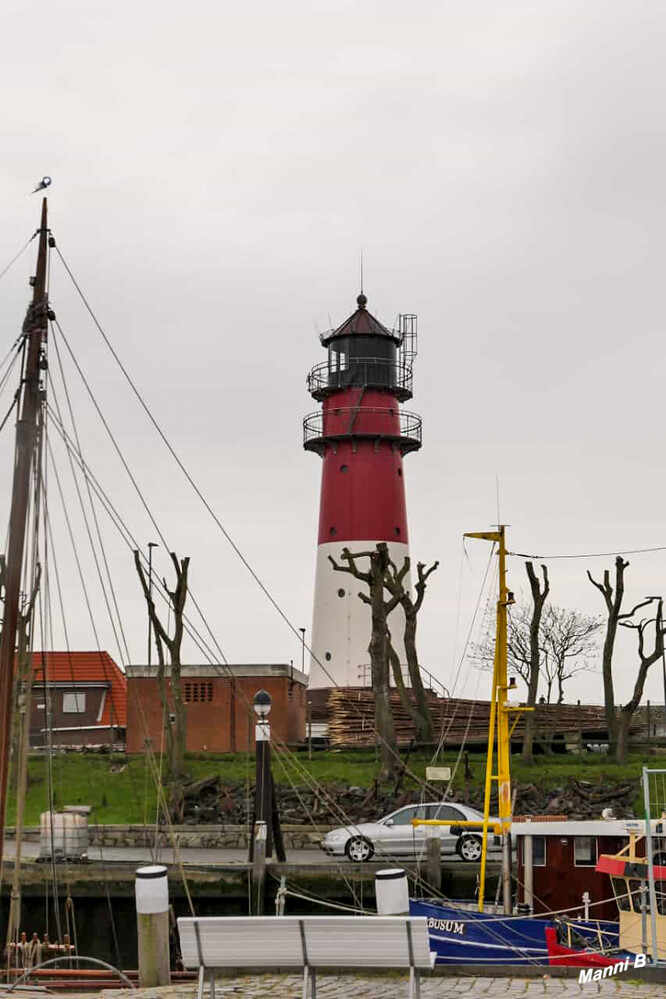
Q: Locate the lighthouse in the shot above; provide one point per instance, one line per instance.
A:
(362, 437)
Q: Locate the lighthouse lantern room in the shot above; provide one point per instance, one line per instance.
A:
(362, 436)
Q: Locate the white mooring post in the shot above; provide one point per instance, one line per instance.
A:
(152, 921)
(392, 892)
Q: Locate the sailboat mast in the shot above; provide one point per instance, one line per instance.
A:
(27, 435)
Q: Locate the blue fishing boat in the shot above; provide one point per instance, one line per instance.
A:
(464, 936)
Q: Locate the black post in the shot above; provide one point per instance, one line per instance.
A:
(263, 782)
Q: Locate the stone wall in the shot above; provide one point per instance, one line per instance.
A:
(208, 837)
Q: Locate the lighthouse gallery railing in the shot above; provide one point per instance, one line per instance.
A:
(371, 372)
(366, 422)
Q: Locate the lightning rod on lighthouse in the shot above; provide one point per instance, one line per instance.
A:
(362, 436)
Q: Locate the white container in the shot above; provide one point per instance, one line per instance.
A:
(151, 889)
(63, 836)
(392, 892)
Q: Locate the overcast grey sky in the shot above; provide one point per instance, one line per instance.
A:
(216, 169)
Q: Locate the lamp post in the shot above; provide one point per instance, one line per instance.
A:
(151, 545)
(266, 817)
(262, 735)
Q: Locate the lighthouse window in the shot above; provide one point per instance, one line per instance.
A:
(341, 593)
(397, 532)
(400, 472)
(327, 657)
(344, 468)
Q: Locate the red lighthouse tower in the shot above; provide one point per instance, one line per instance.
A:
(362, 436)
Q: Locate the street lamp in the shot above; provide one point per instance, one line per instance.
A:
(266, 815)
(151, 545)
(262, 704)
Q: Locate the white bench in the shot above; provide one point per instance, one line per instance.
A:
(312, 943)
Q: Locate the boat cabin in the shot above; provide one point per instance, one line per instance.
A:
(629, 876)
(557, 863)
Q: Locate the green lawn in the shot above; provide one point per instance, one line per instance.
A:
(121, 790)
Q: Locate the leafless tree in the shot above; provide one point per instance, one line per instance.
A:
(567, 641)
(394, 581)
(539, 597)
(570, 644)
(628, 710)
(378, 648)
(613, 598)
(177, 733)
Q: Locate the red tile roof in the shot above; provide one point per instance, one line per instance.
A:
(91, 667)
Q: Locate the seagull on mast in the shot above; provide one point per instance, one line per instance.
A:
(44, 183)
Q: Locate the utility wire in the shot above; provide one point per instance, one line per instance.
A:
(550, 558)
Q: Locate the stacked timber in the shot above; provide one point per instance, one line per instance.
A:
(350, 718)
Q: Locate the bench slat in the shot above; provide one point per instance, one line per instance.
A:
(331, 941)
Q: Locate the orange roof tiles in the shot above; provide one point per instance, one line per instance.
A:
(87, 667)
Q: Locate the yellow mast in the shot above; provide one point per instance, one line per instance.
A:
(498, 727)
(498, 733)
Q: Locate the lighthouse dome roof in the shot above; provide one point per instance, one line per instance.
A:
(361, 323)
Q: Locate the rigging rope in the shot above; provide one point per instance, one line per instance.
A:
(17, 255)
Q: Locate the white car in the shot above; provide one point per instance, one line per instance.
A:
(395, 836)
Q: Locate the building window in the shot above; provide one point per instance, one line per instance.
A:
(538, 851)
(199, 692)
(585, 851)
(73, 704)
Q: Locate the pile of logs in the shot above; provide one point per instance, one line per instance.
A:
(350, 716)
(209, 801)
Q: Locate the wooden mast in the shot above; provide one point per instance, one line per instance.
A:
(27, 434)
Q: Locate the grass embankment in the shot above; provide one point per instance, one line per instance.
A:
(121, 789)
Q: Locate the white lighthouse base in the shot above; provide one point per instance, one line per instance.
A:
(341, 625)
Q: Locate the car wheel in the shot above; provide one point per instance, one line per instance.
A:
(469, 848)
(359, 849)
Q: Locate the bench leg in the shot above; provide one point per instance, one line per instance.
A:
(212, 985)
(414, 984)
(200, 989)
(309, 976)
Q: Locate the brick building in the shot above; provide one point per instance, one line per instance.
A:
(220, 718)
(82, 694)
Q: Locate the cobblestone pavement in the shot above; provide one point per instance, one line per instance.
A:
(379, 987)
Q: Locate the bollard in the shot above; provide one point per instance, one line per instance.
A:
(392, 892)
(152, 921)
